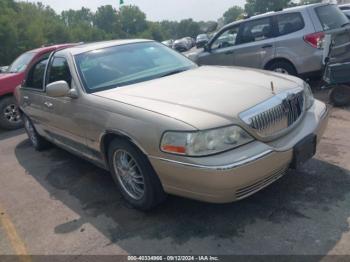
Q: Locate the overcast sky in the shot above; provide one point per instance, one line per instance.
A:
(157, 9)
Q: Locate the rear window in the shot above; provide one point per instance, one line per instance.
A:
(289, 23)
(331, 17)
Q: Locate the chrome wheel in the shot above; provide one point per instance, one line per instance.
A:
(281, 71)
(129, 174)
(12, 114)
(30, 131)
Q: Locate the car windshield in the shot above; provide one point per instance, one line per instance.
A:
(331, 17)
(20, 64)
(122, 65)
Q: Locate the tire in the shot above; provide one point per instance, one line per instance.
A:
(283, 67)
(37, 141)
(134, 166)
(340, 95)
(10, 116)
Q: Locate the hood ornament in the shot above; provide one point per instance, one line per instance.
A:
(272, 88)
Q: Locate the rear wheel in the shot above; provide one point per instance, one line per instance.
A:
(282, 67)
(37, 141)
(10, 116)
(134, 175)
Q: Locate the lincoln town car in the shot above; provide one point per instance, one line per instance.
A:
(163, 125)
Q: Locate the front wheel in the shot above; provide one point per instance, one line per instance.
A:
(10, 117)
(134, 175)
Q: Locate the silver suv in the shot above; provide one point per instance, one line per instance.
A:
(287, 41)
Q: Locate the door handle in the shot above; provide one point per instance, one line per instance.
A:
(230, 52)
(267, 46)
(26, 100)
(48, 104)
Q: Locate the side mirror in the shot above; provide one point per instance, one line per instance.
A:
(206, 47)
(58, 89)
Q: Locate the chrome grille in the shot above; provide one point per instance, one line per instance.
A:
(276, 114)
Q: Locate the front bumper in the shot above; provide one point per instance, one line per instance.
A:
(218, 179)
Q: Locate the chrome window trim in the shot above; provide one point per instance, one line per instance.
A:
(221, 167)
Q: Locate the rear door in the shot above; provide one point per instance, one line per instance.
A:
(255, 43)
(32, 93)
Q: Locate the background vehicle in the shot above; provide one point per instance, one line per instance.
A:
(3, 69)
(9, 115)
(288, 41)
(337, 65)
(345, 9)
(191, 41)
(182, 45)
(202, 40)
(168, 43)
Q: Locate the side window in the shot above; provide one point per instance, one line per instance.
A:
(226, 39)
(35, 77)
(256, 30)
(289, 23)
(59, 70)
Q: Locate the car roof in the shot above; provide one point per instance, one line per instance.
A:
(83, 48)
(50, 48)
(272, 13)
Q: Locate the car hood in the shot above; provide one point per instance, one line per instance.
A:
(6, 76)
(205, 97)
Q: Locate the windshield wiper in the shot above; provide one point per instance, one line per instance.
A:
(174, 72)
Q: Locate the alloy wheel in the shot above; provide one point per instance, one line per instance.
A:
(12, 114)
(129, 174)
(281, 70)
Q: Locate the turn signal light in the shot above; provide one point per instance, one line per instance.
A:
(174, 149)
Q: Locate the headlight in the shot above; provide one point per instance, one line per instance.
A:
(309, 97)
(202, 143)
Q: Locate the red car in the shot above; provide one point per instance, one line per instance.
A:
(10, 117)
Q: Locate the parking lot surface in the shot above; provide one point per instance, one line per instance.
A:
(52, 202)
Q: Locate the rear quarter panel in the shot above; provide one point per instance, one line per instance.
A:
(292, 47)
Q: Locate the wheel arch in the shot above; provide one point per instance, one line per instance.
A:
(109, 135)
(279, 59)
(6, 95)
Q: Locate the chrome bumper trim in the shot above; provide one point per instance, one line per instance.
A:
(218, 168)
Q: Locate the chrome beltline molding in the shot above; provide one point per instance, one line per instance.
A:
(221, 167)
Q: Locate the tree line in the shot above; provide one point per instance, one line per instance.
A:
(24, 26)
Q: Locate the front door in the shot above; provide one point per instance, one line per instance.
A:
(221, 50)
(65, 126)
